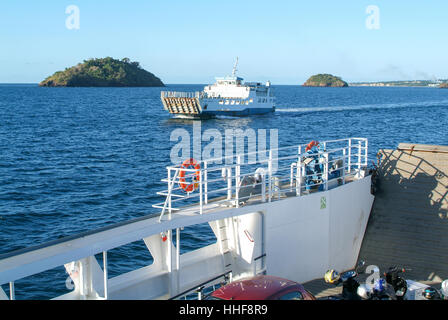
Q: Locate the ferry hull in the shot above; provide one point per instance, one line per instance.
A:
(210, 115)
(194, 107)
(298, 238)
(238, 113)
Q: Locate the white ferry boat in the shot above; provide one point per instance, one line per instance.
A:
(295, 213)
(229, 96)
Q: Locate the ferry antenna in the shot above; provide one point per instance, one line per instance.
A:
(234, 67)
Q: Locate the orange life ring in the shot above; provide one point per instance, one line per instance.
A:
(311, 144)
(189, 187)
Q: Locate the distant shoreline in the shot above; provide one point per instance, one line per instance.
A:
(403, 83)
(391, 86)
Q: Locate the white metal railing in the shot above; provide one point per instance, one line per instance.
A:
(179, 94)
(282, 172)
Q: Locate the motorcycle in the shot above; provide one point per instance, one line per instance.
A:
(431, 293)
(444, 290)
(382, 291)
(349, 282)
(399, 284)
(353, 290)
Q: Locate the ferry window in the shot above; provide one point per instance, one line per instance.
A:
(232, 102)
(251, 100)
(247, 102)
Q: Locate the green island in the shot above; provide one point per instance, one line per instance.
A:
(325, 80)
(103, 72)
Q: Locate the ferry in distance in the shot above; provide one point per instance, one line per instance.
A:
(229, 96)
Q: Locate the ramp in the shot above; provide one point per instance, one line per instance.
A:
(187, 103)
(408, 225)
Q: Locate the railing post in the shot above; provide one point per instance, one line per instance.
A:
(177, 248)
(205, 183)
(229, 183)
(326, 157)
(200, 192)
(169, 261)
(299, 177)
(270, 177)
(359, 155)
(237, 180)
(168, 197)
(169, 193)
(291, 175)
(366, 163)
(349, 168)
(106, 293)
(299, 173)
(177, 258)
(12, 295)
(344, 154)
(263, 187)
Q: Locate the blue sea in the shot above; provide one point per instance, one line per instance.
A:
(77, 159)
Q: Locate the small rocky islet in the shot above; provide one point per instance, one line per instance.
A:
(103, 72)
(325, 80)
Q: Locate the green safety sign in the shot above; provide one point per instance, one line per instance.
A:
(323, 202)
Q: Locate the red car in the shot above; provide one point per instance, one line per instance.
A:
(261, 288)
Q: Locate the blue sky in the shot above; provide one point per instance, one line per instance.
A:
(194, 41)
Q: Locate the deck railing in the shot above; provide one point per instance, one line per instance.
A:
(283, 172)
(179, 94)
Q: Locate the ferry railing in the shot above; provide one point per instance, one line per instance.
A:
(181, 94)
(341, 160)
(353, 153)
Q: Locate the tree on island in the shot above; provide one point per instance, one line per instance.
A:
(103, 72)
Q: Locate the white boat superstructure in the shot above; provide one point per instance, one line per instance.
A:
(278, 214)
(228, 96)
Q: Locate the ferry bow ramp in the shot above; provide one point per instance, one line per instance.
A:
(408, 225)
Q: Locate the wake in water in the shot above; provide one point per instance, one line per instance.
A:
(427, 104)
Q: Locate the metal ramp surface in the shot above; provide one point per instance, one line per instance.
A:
(408, 225)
